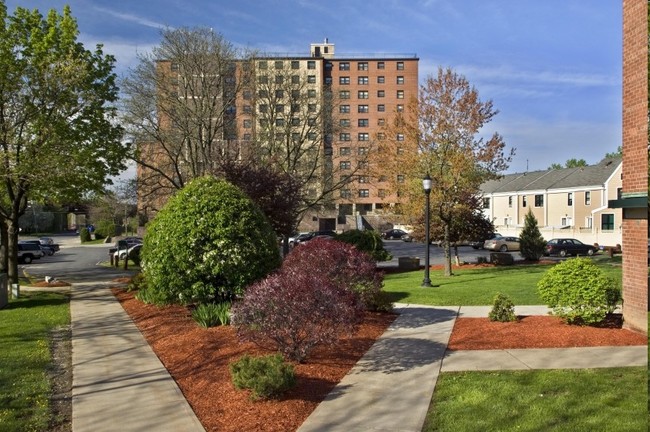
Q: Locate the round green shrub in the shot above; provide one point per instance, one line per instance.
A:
(84, 235)
(207, 244)
(264, 376)
(503, 309)
(366, 241)
(577, 290)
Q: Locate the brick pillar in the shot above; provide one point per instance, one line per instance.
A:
(635, 161)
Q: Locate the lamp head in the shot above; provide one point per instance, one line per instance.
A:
(426, 183)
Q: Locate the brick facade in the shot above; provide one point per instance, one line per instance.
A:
(635, 161)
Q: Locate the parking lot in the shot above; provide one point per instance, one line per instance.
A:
(399, 248)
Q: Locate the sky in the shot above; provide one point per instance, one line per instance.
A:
(552, 68)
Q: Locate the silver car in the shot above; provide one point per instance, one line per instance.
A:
(502, 244)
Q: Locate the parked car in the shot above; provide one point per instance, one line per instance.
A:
(478, 244)
(27, 252)
(49, 242)
(502, 244)
(47, 249)
(303, 238)
(294, 237)
(393, 234)
(131, 251)
(568, 246)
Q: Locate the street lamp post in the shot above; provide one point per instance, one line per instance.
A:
(426, 185)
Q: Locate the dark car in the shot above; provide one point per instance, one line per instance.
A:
(478, 244)
(47, 249)
(568, 246)
(304, 238)
(394, 234)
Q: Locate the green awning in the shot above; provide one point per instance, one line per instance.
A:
(629, 202)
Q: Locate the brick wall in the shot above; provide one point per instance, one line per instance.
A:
(635, 160)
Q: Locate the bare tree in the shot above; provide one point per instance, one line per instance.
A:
(441, 131)
(179, 105)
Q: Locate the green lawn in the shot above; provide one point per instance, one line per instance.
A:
(24, 357)
(475, 287)
(542, 400)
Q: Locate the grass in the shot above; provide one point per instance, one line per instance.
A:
(25, 325)
(477, 287)
(93, 242)
(549, 400)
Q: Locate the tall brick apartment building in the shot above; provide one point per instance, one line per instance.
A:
(362, 93)
(634, 199)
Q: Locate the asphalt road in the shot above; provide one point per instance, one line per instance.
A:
(75, 263)
(399, 248)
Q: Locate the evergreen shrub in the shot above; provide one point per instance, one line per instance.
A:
(531, 242)
(264, 376)
(367, 241)
(503, 309)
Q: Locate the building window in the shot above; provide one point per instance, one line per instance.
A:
(279, 108)
(248, 109)
(345, 193)
(588, 198)
(400, 178)
(400, 80)
(264, 108)
(382, 178)
(363, 136)
(363, 164)
(363, 179)
(381, 193)
(263, 65)
(362, 94)
(362, 80)
(607, 221)
(344, 109)
(399, 137)
(400, 108)
(362, 150)
(279, 94)
(400, 150)
(363, 108)
(539, 200)
(344, 122)
(345, 165)
(381, 136)
(311, 121)
(381, 79)
(381, 65)
(279, 79)
(344, 66)
(509, 201)
(328, 80)
(295, 64)
(400, 94)
(295, 79)
(312, 136)
(524, 202)
(362, 66)
(262, 79)
(400, 65)
(344, 80)
(589, 221)
(248, 95)
(311, 108)
(311, 93)
(363, 122)
(381, 93)
(295, 94)
(344, 151)
(279, 64)
(248, 124)
(279, 122)
(344, 136)
(364, 193)
(344, 94)
(381, 122)
(486, 203)
(311, 64)
(295, 108)
(381, 108)
(247, 137)
(569, 199)
(619, 193)
(311, 79)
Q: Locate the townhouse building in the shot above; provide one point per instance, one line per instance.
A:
(569, 202)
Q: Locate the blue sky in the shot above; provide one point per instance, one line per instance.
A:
(552, 68)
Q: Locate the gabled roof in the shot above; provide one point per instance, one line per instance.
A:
(592, 175)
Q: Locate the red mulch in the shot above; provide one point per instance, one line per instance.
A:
(538, 332)
(198, 360)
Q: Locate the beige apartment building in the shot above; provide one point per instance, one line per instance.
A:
(569, 202)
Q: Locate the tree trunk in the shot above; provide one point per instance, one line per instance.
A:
(447, 246)
(12, 250)
(4, 241)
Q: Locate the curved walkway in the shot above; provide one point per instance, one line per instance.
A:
(120, 384)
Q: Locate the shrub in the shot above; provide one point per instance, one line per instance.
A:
(212, 314)
(150, 296)
(345, 265)
(207, 244)
(531, 242)
(366, 241)
(137, 282)
(294, 311)
(503, 309)
(577, 290)
(264, 376)
(84, 235)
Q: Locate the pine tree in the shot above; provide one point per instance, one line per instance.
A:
(532, 243)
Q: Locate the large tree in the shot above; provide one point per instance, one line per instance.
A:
(179, 107)
(58, 134)
(441, 132)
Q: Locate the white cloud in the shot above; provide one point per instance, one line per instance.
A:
(131, 18)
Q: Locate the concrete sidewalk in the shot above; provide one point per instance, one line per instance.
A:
(118, 382)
